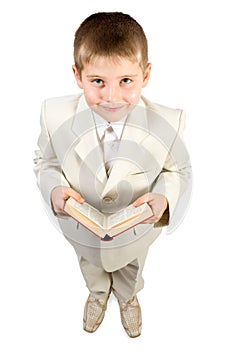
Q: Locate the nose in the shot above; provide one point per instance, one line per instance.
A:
(111, 93)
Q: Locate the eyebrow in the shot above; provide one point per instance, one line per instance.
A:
(122, 76)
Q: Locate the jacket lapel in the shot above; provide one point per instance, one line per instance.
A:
(128, 157)
(87, 147)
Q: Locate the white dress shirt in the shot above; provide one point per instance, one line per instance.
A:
(110, 140)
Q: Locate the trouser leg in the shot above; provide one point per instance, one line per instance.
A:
(128, 280)
(98, 281)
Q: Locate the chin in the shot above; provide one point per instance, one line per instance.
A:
(113, 114)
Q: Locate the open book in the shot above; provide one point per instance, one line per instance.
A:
(107, 226)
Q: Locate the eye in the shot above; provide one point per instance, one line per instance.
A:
(126, 81)
(97, 81)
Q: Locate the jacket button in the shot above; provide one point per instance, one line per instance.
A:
(107, 199)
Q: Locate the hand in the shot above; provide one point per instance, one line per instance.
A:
(60, 194)
(158, 204)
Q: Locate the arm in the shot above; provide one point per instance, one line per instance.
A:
(174, 180)
(52, 182)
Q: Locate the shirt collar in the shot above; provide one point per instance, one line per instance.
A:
(102, 124)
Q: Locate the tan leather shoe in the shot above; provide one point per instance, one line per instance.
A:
(94, 312)
(131, 317)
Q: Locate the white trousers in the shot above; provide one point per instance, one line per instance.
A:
(124, 282)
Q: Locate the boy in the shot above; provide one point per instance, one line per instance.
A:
(112, 147)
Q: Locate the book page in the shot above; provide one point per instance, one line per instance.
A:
(125, 214)
(92, 213)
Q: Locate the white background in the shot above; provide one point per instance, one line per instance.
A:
(187, 299)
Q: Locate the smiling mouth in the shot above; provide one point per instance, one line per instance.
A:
(113, 108)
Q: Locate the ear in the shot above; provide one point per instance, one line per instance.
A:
(77, 76)
(146, 74)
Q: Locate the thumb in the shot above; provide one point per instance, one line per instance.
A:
(69, 192)
(141, 200)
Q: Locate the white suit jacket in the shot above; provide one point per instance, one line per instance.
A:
(151, 158)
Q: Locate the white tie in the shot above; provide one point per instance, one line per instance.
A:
(110, 144)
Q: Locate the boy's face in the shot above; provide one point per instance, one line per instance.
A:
(112, 87)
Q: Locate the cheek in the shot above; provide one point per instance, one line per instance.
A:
(91, 95)
(133, 95)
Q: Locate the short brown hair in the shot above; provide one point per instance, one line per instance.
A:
(110, 34)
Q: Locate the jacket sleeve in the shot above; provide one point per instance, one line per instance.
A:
(46, 164)
(174, 181)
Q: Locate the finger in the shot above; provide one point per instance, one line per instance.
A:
(152, 220)
(62, 214)
(59, 206)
